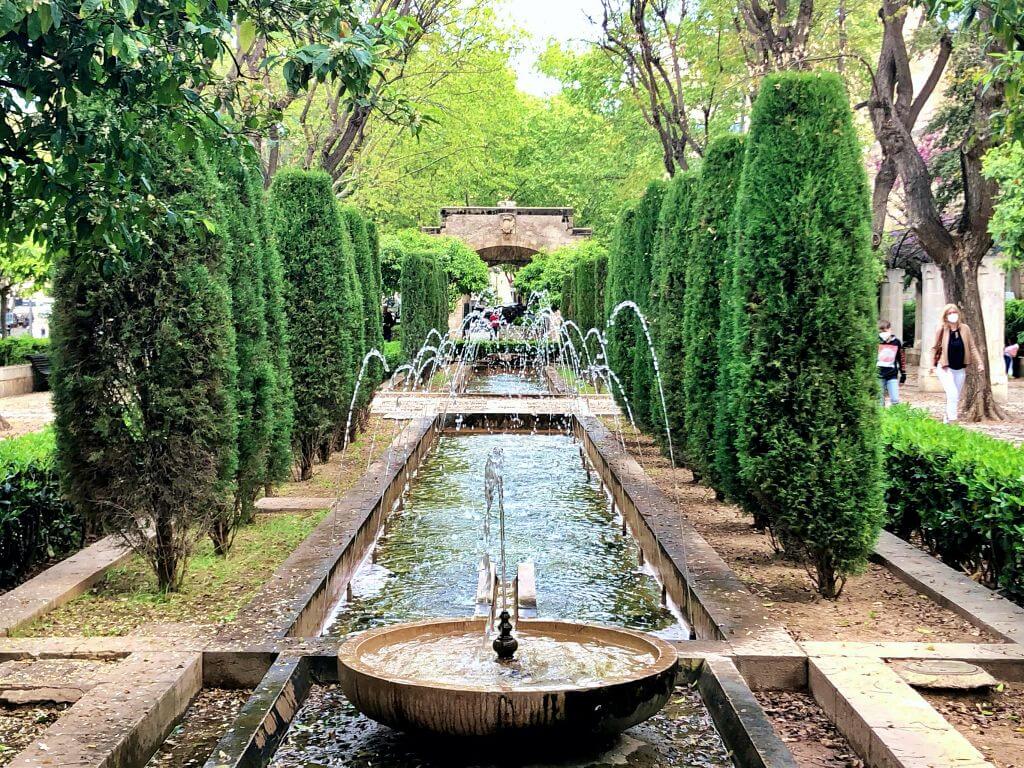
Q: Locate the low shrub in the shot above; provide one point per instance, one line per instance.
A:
(1014, 321)
(35, 524)
(14, 350)
(962, 491)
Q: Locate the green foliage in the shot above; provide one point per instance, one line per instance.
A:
(240, 215)
(669, 286)
(466, 271)
(909, 321)
(368, 272)
(318, 274)
(808, 422)
(617, 289)
(14, 350)
(75, 168)
(962, 491)
(35, 523)
(647, 400)
(1015, 321)
(144, 373)
(424, 300)
(1005, 165)
(714, 198)
(21, 263)
(548, 272)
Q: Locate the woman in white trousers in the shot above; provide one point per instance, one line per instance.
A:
(953, 353)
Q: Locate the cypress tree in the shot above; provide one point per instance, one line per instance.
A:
(144, 372)
(279, 450)
(621, 338)
(368, 273)
(808, 437)
(256, 383)
(647, 408)
(351, 301)
(316, 254)
(715, 196)
(424, 290)
(674, 222)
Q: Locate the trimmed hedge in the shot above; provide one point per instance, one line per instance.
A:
(962, 491)
(35, 523)
(808, 437)
(1015, 321)
(14, 350)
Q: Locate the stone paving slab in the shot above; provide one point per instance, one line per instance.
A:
(121, 722)
(1004, 661)
(63, 681)
(287, 504)
(60, 583)
(887, 722)
(950, 589)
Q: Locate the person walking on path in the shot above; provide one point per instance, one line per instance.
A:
(892, 363)
(952, 354)
(1009, 353)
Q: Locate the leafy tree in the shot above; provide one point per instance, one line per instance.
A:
(144, 373)
(312, 243)
(547, 272)
(714, 196)
(74, 149)
(466, 271)
(20, 264)
(241, 213)
(1005, 165)
(424, 300)
(808, 439)
(675, 226)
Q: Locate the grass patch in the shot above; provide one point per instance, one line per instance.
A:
(576, 383)
(340, 473)
(214, 590)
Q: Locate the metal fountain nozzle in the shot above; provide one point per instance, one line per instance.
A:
(504, 644)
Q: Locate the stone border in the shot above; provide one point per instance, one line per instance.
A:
(59, 583)
(297, 598)
(950, 589)
(16, 380)
(717, 604)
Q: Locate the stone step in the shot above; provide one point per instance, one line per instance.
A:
(286, 504)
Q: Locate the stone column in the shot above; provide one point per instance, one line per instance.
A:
(992, 286)
(933, 299)
(890, 302)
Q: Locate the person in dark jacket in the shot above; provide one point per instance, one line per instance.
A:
(389, 321)
(892, 363)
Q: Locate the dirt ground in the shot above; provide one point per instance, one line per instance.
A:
(344, 469)
(204, 722)
(26, 413)
(993, 722)
(807, 731)
(874, 607)
(20, 725)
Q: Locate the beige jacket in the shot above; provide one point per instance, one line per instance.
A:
(940, 357)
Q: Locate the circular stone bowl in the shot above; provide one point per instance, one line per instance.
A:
(466, 710)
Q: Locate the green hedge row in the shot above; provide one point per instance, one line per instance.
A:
(14, 350)
(961, 491)
(424, 289)
(1015, 321)
(35, 524)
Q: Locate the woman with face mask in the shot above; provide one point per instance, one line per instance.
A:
(952, 354)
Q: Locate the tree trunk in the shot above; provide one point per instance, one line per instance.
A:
(221, 536)
(166, 557)
(960, 278)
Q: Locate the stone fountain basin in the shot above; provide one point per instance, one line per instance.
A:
(602, 708)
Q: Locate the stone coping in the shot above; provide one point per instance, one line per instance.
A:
(887, 722)
(60, 583)
(296, 598)
(949, 588)
(718, 605)
(122, 721)
(286, 504)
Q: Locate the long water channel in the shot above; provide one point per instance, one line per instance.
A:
(425, 565)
